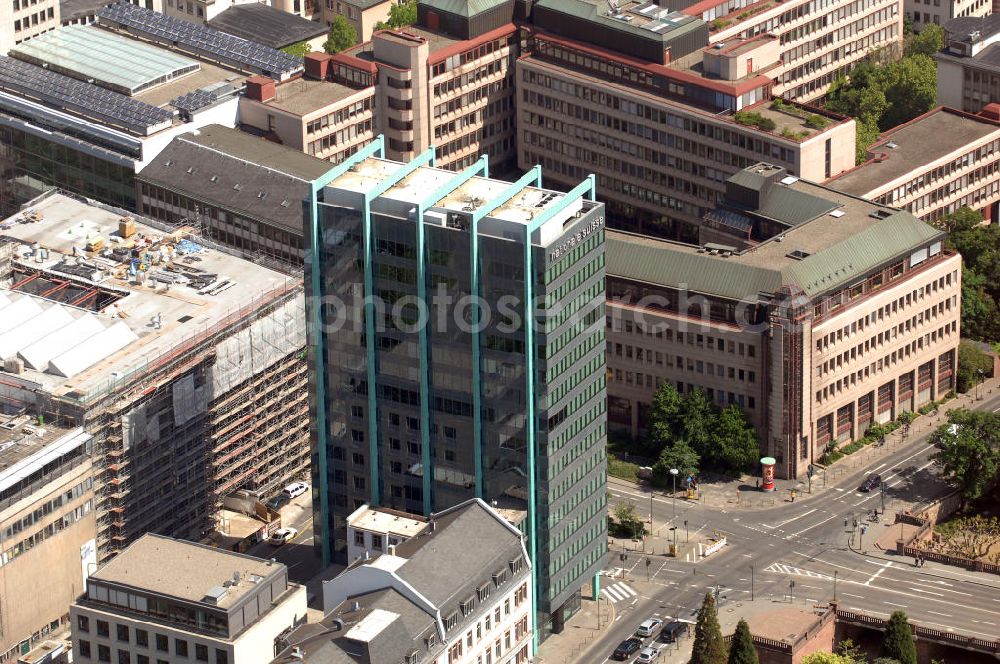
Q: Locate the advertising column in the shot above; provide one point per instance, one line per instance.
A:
(767, 474)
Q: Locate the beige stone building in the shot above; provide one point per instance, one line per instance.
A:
(820, 39)
(363, 15)
(47, 529)
(663, 137)
(24, 19)
(939, 12)
(322, 118)
(969, 65)
(933, 165)
(452, 87)
(820, 314)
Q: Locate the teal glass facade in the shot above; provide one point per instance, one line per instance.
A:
(423, 400)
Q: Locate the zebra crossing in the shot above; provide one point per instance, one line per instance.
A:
(618, 592)
(781, 568)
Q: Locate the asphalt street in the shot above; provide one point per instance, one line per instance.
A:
(802, 552)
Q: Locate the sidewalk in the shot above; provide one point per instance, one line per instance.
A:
(743, 493)
(579, 633)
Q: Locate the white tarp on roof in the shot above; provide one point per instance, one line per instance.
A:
(18, 312)
(28, 332)
(93, 350)
(37, 355)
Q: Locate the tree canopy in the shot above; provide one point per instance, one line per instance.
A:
(980, 248)
(300, 49)
(827, 658)
(687, 432)
(974, 365)
(342, 35)
(897, 642)
(708, 646)
(967, 451)
(741, 649)
(928, 41)
(881, 95)
(400, 14)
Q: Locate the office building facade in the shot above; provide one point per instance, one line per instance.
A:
(167, 600)
(933, 165)
(47, 526)
(816, 312)
(419, 417)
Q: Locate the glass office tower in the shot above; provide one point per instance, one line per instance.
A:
(429, 387)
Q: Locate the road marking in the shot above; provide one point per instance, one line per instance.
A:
(946, 615)
(852, 595)
(781, 568)
(918, 590)
(895, 604)
(811, 527)
(787, 521)
(880, 467)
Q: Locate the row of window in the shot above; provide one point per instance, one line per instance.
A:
(824, 342)
(48, 507)
(125, 634)
(336, 139)
(886, 336)
(913, 348)
(33, 20)
(43, 534)
(339, 116)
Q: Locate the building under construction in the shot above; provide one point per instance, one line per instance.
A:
(184, 362)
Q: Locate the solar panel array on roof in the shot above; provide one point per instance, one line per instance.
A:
(201, 41)
(201, 98)
(80, 98)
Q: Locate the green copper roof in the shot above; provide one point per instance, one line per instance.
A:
(465, 8)
(838, 265)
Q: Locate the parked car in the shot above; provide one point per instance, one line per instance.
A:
(673, 631)
(278, 502)
(649, 627)
(626, 648)
(283, 536)
(295, 489)
(648, 656)
(871, 483)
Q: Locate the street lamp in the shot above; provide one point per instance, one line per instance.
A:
(979, 372)
(834, 586)
(882, 488)
(673, 474)
(751, 583)
(687, 532)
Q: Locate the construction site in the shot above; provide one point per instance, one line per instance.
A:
(183, 362)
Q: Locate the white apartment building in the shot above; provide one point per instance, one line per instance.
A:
(460, 591)
(372, 532)
(169, 601)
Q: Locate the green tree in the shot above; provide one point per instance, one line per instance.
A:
(342, 35)
(698, 422)
(928, 42)
(679, 456)
(708, 646)
(852, 651)
(974, 365)
(628, 518)
(737, 447)
(967, 451)
(826, 658)
(400, 14)
(665, 417)
(301, 49)
(910, 88)
(741, 650)
(980, 311)
(897, 642)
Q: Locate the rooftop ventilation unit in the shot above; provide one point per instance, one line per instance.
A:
(789, 179)
(797, 254)
(837, 214)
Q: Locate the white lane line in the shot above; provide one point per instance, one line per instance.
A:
(880, 467)
(812, 526)
(946, 615)
(928, 592)
(786, 521)
(852, 595)
(895, 604)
